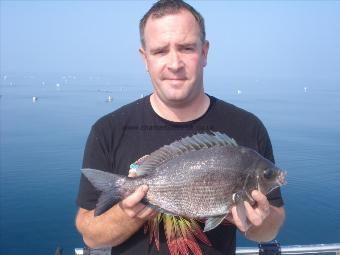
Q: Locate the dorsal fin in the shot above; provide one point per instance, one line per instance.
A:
(182, 146)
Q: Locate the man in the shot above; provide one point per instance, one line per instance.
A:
(175, 53)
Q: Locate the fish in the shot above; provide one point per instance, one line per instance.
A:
(197, 177)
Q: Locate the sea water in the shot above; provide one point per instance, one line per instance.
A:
(45, 120)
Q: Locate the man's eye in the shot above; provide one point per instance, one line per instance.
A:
(188, 49)
(159, 52)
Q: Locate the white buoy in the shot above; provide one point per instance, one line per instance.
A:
(239, 92)
(34, 99)
(109, 99)
(305, 89)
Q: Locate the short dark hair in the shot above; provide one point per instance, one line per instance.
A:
(166, 7)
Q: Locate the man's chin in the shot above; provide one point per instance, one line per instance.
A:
(175, 84)
(177, 100)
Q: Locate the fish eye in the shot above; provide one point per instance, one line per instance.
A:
(268, 173)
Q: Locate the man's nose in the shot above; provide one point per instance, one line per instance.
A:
(175, 62)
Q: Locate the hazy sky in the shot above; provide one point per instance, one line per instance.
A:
(280, 38)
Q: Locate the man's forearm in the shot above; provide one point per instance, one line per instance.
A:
(268, 230)
(109, 229)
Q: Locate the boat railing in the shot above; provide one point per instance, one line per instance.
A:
(292, 249)
(261, 250)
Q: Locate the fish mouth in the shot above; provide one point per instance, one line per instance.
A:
(281, 179)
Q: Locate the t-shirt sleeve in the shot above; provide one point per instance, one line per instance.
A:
(266, 150)
(95, 158)
(264, 144)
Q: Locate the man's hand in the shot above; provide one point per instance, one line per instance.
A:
(132, 206)
(260, 211)
(246, 216)
(260, 222)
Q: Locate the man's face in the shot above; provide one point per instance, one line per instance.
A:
(175, 57)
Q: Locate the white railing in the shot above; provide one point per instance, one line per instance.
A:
(296, 249)
(289, 249)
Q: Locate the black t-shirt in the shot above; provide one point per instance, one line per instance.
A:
(134, 130)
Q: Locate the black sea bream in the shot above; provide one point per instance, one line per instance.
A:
(197, 177)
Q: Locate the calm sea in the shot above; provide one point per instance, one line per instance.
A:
(42, 143)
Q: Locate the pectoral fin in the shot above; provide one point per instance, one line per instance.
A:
(241, 212)
(213, 222)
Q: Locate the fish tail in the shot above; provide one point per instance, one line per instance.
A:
(110, 185)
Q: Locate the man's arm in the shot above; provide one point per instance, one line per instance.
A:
(265, 220)
(115, 225)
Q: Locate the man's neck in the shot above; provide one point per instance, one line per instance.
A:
(181, 113)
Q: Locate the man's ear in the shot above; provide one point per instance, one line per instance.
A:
(143, 55)
(205, 49)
